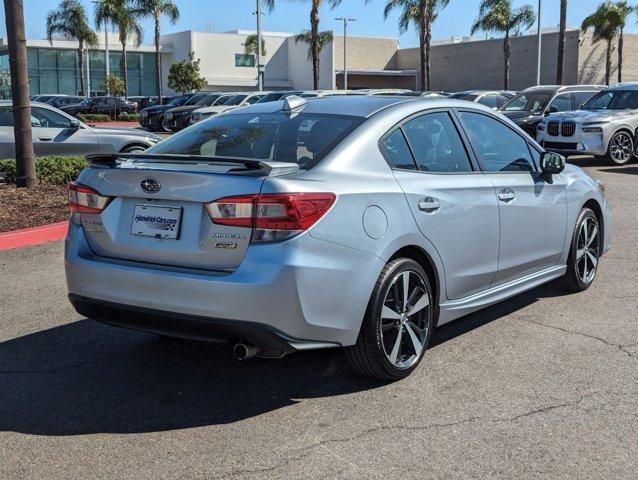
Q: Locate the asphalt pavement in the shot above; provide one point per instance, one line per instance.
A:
(544, 385)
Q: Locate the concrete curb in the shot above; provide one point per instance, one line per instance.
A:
(33, 236)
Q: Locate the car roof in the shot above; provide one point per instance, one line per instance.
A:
(354, 105)
(563, 88)
(624, 86)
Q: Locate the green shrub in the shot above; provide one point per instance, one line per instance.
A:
(94, 117)
(51, 170)
(130, 117)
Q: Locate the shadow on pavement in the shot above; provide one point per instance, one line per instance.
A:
(85, 377)
(625, 170)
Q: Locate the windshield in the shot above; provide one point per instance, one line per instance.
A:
(235, 100)
(86, 101)
(178, 102)
(528, 102)
(470, 97)
(303, 139)
(194, 99)
(616, 100)
(207, 101)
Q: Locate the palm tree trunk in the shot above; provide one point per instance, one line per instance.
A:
(125, 68)
(507, 53)
(81, 67)
(314, 42)
(25, 158)
(560, 62)
(428, 50)
(621, 43)
(608, 63)
(423, 11)
(158, 58)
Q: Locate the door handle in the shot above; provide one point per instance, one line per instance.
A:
(506, 195)
(45, 139)
(429, 205)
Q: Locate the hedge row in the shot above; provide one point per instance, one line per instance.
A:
(103, 117)
(51, 170)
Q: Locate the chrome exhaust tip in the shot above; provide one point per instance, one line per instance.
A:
(244, 352)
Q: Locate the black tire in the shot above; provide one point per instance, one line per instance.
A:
(134, 149)
(620, 150)
(368, 356)
(576, 278)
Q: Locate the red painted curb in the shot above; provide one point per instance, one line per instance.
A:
(33, 236)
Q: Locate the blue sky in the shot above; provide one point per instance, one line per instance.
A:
(291, 16)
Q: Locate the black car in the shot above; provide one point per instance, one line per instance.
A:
(274, 96)
(153, 117)
(528, 108)
(178, 118)
(64, 100)
(103, 105)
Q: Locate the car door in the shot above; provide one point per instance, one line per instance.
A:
(452, 202)
(53, 134)
(532, 211)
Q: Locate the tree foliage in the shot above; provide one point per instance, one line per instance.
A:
(114, 85)
(250, 45)
(184, 76)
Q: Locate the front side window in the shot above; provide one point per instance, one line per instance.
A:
(528, 102)
(436, 144)
(398, 152)
(303, 139)
(490, 100)
(562, 103)
(498, 148)
(243, 60)
(41, 117)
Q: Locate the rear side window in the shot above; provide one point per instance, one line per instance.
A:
(581, 98)
(303, 139)
(436, 144)
(498, 148)
(398, 152)
(6, 117)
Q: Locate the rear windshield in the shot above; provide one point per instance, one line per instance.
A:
(470, 97)
(303, 139)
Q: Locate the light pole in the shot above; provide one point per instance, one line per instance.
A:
(345, 21)
(540, 40)
(106, 52)
(260, 80)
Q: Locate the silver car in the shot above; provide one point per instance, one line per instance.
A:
(605, 126)
(57, 133)
(361, 222)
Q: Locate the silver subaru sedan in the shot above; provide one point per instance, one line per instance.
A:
(361, 222)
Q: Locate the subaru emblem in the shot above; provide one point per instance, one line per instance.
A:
(151, 186)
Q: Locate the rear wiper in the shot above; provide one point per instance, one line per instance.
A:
(271, 168)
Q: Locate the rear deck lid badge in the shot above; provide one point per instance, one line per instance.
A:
(151, 186)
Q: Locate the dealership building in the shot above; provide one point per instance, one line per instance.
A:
(373, 62)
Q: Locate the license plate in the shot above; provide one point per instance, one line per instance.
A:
(158, 222)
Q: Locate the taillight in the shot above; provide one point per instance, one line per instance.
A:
(272, 216)
(84, 199)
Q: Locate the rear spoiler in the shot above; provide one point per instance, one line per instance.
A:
(270, 168)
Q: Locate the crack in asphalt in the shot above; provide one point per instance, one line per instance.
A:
(309, 449)
(619, 346)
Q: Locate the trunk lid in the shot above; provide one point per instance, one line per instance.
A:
(170, 226)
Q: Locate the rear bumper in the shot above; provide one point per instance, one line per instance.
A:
(311, 292)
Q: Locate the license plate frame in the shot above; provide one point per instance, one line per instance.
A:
(157, 221)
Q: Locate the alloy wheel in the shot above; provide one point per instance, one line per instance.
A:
(405, 318)
(587, 250)
(621, 148)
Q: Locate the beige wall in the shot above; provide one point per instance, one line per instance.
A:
(591, 61)
(366, 53)
(479, 64)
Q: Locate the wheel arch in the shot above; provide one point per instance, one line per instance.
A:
(593, 205)
(134, 143)
(424, 259)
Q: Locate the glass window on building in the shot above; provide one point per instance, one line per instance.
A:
(243, 60)
(5, 75)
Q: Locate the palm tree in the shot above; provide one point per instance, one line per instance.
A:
(500, 16)
(621, 12)
(157, 8)
(70, 20)
(606, 23)
(560, 61)
(422, 14)
(123, 15)
(315, 42)
(312, 37)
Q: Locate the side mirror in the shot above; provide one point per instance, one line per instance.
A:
(552, 109)
(552, 163)
(74, 124)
